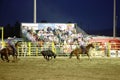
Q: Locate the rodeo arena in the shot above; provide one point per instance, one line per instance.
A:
(59, 51)
(45, 50)
(61, 39)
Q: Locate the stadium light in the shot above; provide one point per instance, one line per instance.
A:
(35, 11)
(2, 36)
(114, 19)
(2, 31)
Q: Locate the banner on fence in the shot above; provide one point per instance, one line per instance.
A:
(112, 53)
(119, 53)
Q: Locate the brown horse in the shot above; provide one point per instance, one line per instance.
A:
(7, 51)
(78, 51)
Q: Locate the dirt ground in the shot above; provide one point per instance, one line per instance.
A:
(61, 68)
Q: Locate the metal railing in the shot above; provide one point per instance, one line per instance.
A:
(33, 49)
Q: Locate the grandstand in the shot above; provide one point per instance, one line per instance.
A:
(62, 42)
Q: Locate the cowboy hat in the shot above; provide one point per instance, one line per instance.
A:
(9, 38)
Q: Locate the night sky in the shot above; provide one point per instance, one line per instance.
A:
(93, 16)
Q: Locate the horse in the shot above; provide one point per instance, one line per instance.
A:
(47, 54)
(7, 51)
(78, 51)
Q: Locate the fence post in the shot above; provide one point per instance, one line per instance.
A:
(108, 53)
(53, 47)
(29, 48)
(36, 51)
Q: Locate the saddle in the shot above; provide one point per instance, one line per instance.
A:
(12, 50)
(83, 49)
(10, 47)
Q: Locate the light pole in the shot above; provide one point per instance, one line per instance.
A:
(35, 14)
(114, 19)
(2, 36)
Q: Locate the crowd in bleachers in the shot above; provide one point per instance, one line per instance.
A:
(49, 35)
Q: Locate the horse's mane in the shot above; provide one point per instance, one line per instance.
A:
(89, 45)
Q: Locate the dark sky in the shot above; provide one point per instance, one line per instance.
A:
(93, 16)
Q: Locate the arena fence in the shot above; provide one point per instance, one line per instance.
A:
(106, 49)
(33, 49)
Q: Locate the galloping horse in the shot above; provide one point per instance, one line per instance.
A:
(7, 51)
(78, 51)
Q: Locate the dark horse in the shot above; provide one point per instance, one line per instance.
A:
(78, 51)
(7, 51)
(47, 54)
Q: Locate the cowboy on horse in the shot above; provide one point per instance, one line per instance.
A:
(11, 43)
(82, 44)
(8, 49)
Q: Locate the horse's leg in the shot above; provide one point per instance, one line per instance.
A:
(71, 55)
(88, 55)
(6, 57)
(77, 55)
(2, 57)
(14, 58)
(15, 53)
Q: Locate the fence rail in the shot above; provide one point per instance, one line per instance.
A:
(32, 49)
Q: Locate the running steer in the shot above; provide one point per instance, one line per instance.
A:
(48, 53)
